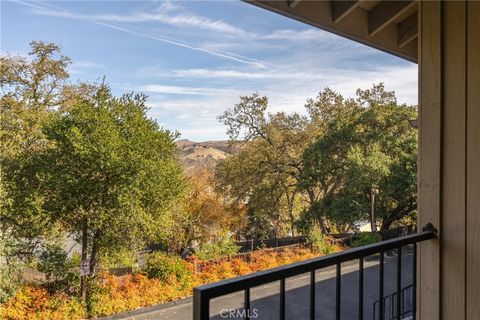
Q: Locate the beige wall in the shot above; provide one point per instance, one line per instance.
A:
(449, 161)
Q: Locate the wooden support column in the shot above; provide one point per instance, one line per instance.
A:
(453, 222)
(429, 160)
(449, 159)
(473, 162)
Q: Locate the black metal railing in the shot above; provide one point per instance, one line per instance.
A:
(390, 306)
(203, 294)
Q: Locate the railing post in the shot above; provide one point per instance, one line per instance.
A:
(282, 299)
(381, 310)
(360, 289)
(201, 305)
(338, 295)
(312, 295)
(399, 284)
(414, 289)
(246, 304)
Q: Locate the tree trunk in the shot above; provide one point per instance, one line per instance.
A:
(386, 223)
(397, 214)
(93, 264)
(311, 196)
(83, 279)
(373, 220)
(94, 255)
(290, 202)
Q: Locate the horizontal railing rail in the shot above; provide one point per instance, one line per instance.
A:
(203, 294)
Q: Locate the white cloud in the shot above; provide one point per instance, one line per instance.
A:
(300, 35)
(81, 67)
(167, 6)
(97, 19)
(166, 13)
(303, 80)
(195, 113)
(180, 90)
(235, 74)
(195, 116)
(178, 43)
(180, 21)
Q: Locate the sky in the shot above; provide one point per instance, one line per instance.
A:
(196, 58)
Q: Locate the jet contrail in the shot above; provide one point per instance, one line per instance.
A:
(44, 10)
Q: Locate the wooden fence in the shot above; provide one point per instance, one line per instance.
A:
(33, 275)
(245, 256)
(246, 249)
(255, 244)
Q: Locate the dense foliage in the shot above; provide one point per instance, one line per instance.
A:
(365, 238)
(90, 165)
(323, 168)
(32, 303)
(31, 91)
(223, 246)
(169, 268)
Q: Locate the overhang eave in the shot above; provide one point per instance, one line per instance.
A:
(390, 26)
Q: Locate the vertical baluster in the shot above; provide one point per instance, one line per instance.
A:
(393, 307)
(282, 299)
(246, 304)
(360, 289)
(312, 295)
(414, 287)
(399, 283)
(389, 311)
(380, 289)
(338, 292)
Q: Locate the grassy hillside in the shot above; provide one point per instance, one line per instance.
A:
(203, 155)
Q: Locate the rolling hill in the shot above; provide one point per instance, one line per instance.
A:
(203, 155)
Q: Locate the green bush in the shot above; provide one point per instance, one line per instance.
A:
(225, 246)
(53, 261)
(365, 238)
(320, 242)
(59, 270)
(168, 268)
(118, 258)
(10, 281)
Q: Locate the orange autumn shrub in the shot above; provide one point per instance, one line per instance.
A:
(117, 294)
(258, 260)
(241, 267)
(263, 259)
(169, 268)
(111, 294)
(32, 303)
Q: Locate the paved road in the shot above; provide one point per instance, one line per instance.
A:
(265, 298)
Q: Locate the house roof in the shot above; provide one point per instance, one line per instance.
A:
(388, 25)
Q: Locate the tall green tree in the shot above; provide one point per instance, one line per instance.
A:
(269, 170)
(369, 152)
(110, 174)
(264, 173)
(327, 164)
(31, 91)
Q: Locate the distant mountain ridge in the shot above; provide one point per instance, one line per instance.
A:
(203, 155)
